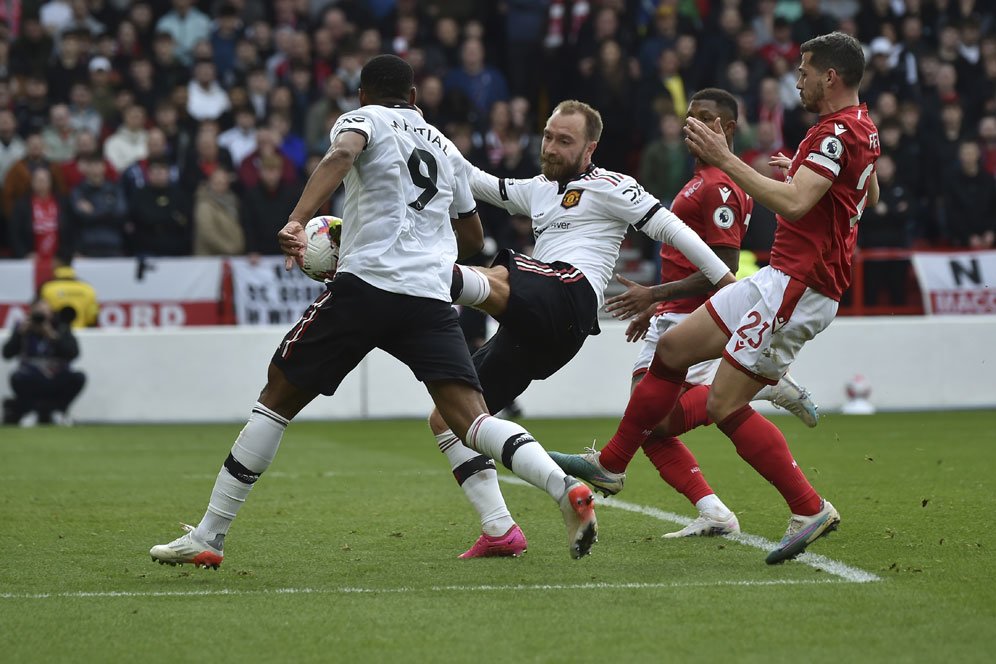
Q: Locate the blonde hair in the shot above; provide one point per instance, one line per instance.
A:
(592, 118)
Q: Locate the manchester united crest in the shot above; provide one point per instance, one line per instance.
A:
(571, 198)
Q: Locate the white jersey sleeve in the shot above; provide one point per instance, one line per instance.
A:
(464, 204)
(357, 121)
(631, 202)
(511, 195)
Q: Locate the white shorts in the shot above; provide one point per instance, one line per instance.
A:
(699, 374)
(768, 317)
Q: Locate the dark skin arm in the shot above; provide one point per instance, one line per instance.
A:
(638, 299)
(469, 235)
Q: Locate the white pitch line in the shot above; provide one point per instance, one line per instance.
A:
(411, 589)
(837, 568)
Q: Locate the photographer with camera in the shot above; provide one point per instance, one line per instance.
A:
(43, 383)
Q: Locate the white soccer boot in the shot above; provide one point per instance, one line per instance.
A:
(708, 525)
(794, 398)
(587, 467)
(187, 549)
(803, 531)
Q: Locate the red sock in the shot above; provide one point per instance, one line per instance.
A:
(678, 467)
(762, 445)
(691, 410)
(653, 398)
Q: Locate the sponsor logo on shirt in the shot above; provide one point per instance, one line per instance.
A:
(571, 198)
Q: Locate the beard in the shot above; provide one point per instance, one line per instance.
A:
(812, 102)
(558, 170)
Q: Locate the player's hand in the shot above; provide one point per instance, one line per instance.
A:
(780, 161)
(637, 328)
(634, 301)
(705, 142)
(292, 242)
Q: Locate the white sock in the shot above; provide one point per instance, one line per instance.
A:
(518, 451)
(480, 486)
(711, 504)
(251, 454)
(476, 287)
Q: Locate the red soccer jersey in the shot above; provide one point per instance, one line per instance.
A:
(817, 248)
(719, 211)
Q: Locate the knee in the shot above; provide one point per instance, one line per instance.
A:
(669, 353)
(718, 407)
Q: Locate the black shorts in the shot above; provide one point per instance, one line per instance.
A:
(552, 309)
(352, 318)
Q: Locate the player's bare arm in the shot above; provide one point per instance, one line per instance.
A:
(873, 190)
(791, 200)
(469, 235)
(320, 186)
(638, 298)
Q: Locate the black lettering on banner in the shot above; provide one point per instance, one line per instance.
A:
(972, 272)
(426, 182)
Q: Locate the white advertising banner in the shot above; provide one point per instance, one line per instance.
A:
(17, 289)
(267, 294)
(957, 283)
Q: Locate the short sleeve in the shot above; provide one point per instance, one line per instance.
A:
(464, 204)
(353, 121)
(826, 151)
(631, 203)
(723, 215)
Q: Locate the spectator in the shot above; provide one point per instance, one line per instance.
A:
(206, 99)
(316, 120)
(240, 140)
(160, 213)
(891, 224)
(55, 16)
(291, 145)
(969, 201)
(32, 110)
(266, 207)
(143, 84)
(770, 108)
(17, 184)
(59, 136)
(170, 72)
(204, 159)
(71, 173)
(102, 88)
(97, 212)
(987, 143)
(66, 290)
(259, 87)
(82, 114)
(610, 89)
(12, 146)
(665, 165)
(217, 227)
(82, 20)
(43, 383)
(30, 53)
(812, 23)
(136, 176)
(130, 142)
(782, 46)
(767, 146)
(178, 139)
(37, 224)
(69, 67)
(267, 144)
(224, 37)
(481, 84)
(188, 25)
(665, 91)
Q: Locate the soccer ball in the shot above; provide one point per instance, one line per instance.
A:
(321, 256)
(858, 387)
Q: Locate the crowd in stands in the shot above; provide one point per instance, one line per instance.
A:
(175, 127)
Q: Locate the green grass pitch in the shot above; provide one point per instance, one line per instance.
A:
(346, 552)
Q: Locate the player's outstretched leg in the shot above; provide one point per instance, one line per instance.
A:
(250, 456)
(477, 477)
(677, 466)
(464, 410)
(794, 398)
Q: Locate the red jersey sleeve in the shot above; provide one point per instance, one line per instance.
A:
(824, 152)
(723, 214)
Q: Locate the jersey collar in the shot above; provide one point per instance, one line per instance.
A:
(562, 187)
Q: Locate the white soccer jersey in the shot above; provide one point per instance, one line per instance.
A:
(401, 194)
(583, 222)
